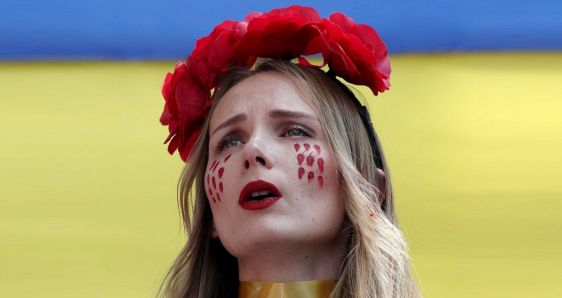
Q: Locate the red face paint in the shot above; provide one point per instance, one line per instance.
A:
(212, 180)
(317, 148)
(311, 157)
(310, 160)
(310, 176)
(216, 180)
(300, 158)
(321, 165)
(210, 194)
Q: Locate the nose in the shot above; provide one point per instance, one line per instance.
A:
(255, 154)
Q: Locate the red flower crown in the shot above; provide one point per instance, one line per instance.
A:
(352, 51)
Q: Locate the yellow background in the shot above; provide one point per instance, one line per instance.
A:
(88, 191)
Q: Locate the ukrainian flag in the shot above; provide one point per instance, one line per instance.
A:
(472, 129)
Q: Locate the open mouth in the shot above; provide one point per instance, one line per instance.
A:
(258, 194)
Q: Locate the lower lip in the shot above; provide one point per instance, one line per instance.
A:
(258, 205)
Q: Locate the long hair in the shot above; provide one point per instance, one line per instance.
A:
(376, 260)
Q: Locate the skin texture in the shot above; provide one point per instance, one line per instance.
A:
(300, 236)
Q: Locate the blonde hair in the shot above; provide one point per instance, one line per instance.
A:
(376, 263)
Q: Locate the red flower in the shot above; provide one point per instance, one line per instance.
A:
(188, 90)
(281, 33)
(370, 64)
(352, 51)
(187, 106)
(216, 50)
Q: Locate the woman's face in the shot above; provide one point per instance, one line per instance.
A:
(271, 179)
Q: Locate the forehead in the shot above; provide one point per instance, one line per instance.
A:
(259, 94)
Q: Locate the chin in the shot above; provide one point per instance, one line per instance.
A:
(270, 235)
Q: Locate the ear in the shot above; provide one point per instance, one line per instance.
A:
(214, 234)
(381, 178)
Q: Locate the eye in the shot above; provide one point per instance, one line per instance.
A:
(230, 140)
(296, 130)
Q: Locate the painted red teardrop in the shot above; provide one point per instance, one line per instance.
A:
(321, 165)
(310, 160)
(300, 158)
(317, 148)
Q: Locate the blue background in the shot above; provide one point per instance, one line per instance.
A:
(143, 29)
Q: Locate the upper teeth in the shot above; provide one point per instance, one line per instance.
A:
(260, 193)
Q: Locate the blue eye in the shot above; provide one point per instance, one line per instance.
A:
(228, 141)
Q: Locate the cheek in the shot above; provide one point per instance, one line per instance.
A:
(214, 179)
(310, 162)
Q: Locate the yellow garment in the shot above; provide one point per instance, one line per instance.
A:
(297, 289)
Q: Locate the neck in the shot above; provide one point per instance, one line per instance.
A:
(293, 263)
(308, 289)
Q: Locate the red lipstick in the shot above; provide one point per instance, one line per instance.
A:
(258, 195)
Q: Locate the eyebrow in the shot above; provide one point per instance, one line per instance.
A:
(289, 114)
(273, 114)
(232, 120)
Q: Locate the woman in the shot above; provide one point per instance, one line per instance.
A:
(287, 183)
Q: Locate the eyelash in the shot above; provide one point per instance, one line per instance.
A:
(229, 139)
(306, 132)
(226, 141)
